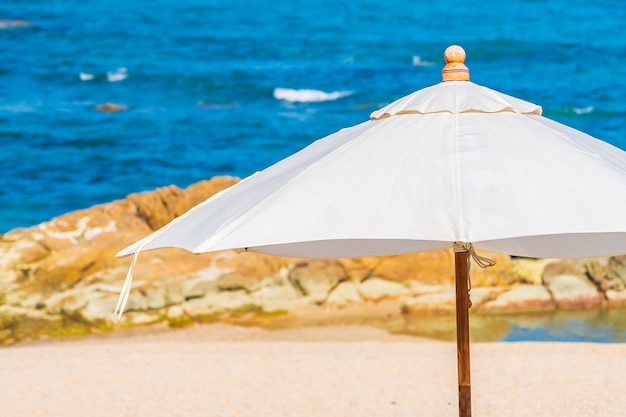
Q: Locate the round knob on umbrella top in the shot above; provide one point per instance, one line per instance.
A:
(455, 69)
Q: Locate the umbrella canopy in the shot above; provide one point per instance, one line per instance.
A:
(455, 164)
(452, 162)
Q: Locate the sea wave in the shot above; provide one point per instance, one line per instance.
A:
(307, 96)
(583, 110)
(418, 62)
(119, 74)
(84, 76)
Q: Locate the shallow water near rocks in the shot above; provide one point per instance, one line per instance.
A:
(597, 326)
(600, 326)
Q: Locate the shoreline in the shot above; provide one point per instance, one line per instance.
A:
(569, 326)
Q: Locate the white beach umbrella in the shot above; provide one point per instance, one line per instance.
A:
(455, 164)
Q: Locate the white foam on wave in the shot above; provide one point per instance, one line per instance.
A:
(418, 62)
(307, 96)
(84, 76)
(583, 110)
(119, 74)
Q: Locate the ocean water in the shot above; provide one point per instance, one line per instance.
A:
(230, 87)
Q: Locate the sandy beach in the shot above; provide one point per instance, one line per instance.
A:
(223, 370)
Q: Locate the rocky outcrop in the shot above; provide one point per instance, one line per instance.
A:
(62, 277)
(14, 23)
(111, 107)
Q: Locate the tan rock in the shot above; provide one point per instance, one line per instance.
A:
(111, 107)
(159, 207)
(124, 214)
(418, 288)
(570, 288)
(167, 265)
(275, 294)
(344, 294)
(200, 191)
(432, 267)
(500, 274)
(54, 244)
(317, 278)
(437, 302)
(617, 265)
(523, 297)
(203, 281)
(482, 295)
(14, 23)
(217, 302)
(160, 296)
(65, 268)
(248, 269)
(142, 318)
(156, 208)
(530, 270)
(175, 312)
(603, 276)
(100, 306)
(616, 298)
(28, 252)
(376, 289)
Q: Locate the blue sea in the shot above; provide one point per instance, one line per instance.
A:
(230, 87)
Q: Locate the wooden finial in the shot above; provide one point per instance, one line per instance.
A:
(455, 69)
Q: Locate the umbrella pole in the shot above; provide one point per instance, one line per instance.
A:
(461, 263)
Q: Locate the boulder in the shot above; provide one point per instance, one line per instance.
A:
(275, 293)
(432, 267)
(437, 267)
(617, 265)
(100, 307)
(316, 279)
(443, 301)
(111, 107)
(530, 270)
(14, 23)
(376, 289)
(28, 252)
(344, 294)
(616, 298)
(64, 268)
(522, 298)
(157, 208)
(603, 277)
(500, 274)
(248, 269)
(570, 288)
(212, 303)
(481, 295)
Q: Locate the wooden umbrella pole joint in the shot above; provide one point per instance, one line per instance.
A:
(462, 266)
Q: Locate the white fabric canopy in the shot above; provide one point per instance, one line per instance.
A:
(455, 162)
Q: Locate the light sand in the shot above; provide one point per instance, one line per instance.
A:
(229, 371)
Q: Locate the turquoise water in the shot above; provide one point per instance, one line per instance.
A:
(220, 87)
(598, 326)
(594, 325)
